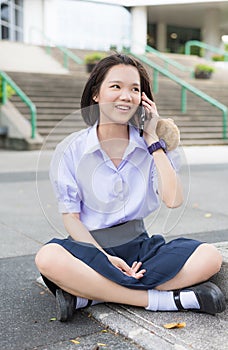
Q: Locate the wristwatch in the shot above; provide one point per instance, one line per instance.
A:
(157, 145)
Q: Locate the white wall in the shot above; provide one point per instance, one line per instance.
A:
(77, 24)
(33, 18)
(154, 2)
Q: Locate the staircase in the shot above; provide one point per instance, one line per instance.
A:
(57, 98)
(203, 123)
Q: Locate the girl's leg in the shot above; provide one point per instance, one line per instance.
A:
(201, 265)
(77, 278)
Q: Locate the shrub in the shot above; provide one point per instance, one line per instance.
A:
(10, 91)
(94, 57)
(218, 58)
(204, 68)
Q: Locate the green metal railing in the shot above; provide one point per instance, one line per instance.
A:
(67, 54)
(184, 88)
(7, 80)
(205, 46)
(169, 61)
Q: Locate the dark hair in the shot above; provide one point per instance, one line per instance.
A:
(90, 109)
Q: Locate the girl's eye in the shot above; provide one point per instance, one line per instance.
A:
(115, 86)
(136, 89)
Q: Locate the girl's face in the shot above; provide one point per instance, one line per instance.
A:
(119, 94)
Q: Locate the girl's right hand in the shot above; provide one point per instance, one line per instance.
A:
(125, 268)
(152, 118)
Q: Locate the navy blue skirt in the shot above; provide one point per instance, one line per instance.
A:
(161, 260)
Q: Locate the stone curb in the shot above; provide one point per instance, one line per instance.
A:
(221, 278)
(131, 325)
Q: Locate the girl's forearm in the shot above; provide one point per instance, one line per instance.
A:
(78, 231)
(169, 185)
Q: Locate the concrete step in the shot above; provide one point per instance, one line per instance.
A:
(48, 99)
(56, 111)
(193, 129)
(201, 135)
(203, 142)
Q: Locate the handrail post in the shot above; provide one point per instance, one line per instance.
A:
(65, 60)
(183, 99)
(33, 122)
(155, 81)
(4, 91)
(48, 49)
(187, 48)
(7, 80)
(224, 115)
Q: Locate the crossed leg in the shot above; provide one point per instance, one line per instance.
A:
(77, 278)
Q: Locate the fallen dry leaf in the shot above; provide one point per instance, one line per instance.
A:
(207, 215)
(75, 341)
(174, 325)
(53, 319)
(101, 344)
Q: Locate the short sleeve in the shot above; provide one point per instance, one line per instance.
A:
(62, 176)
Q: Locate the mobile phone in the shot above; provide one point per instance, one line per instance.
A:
(142, 121)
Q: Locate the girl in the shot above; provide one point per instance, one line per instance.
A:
(107, 179)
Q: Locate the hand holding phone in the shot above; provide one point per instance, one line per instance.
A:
(142, 121)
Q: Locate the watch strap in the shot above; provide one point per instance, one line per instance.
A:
(156, 146)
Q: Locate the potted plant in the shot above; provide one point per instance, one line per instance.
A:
(203, 71)
(218, 58)
(92, 59)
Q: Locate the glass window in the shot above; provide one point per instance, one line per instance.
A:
(5, 12)
(18, 18)
(178, 36)
(5, 32)
(11, 19)
(18, 36)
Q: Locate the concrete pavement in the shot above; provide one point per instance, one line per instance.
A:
(28, 218)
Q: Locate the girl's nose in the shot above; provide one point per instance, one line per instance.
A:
(125, 95)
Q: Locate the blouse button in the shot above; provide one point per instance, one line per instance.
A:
(118, 188)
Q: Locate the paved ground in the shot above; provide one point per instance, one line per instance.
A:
(28, 218)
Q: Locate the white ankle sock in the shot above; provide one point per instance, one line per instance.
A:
(164, 301)
(188, 300)
(160, 301)
(83, 302)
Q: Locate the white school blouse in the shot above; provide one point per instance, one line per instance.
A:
(86, 181)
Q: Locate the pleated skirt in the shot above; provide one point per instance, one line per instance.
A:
(161, 260)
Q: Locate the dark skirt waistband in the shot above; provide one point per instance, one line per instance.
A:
(119, 234)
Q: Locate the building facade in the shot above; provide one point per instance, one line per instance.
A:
(99, 24)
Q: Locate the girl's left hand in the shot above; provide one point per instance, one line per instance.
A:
(151, 120)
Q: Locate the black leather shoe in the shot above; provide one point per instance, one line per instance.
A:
(210, 298)
(65, 305)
